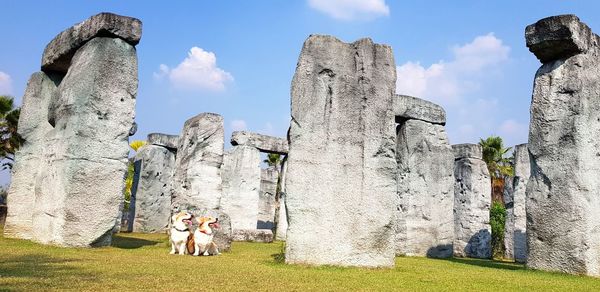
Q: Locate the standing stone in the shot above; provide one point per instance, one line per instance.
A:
(33, 125)
(341, 180)
(563, 192)
(514, 197)
(509, 223)
(197, 176)
(425, 221)
(79, 193)
(241, 185)
(153, 193)
(472, 199)
(281, 212)
(266, 201)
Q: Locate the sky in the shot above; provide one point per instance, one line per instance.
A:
(237, 58)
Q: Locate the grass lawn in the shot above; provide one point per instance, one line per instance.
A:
(142, 262)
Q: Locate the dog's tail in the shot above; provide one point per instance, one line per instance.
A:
(190, 244)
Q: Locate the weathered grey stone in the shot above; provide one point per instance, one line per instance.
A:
(341, 180)
(241, 185)
(563, 202)
(514, 198)
(153, 193)
(223, 235)
(281, 212)
(80, 190)
(253, 235)
(164, 140)
(559, 37)
(267, 200)
(472, 199)
(59, 52)
(467, 151)
(425, 222)
(263, 143)
(408, 107)
(197, 176)
(33, 126)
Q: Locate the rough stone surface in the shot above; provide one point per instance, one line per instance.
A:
(281, 212)
(79, 192)
(515, 237)
(408, 107)
(241, 185)
(341, 180)
(253, 235)
(164, 140)
(223, 235)
(467, 151)
(563, 201)
(266, 201)
(559, 37)
(263, 142)
(153, 193)
(33, 126)
(197, 176)
(59, 52)
(472, 198)
(425, 222)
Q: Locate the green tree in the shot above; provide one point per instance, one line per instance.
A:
(10, 140)
(273, 160)
(497, 222)
(500, 167)
(135, 145)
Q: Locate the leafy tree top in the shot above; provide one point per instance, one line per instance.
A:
(493, 154)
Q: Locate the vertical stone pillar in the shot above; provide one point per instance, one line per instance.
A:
(241, 185)
(267, 193)
(341, 180)
(563, 192)
(282, 221)
(472, 199)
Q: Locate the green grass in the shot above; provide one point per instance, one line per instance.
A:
(142, 262)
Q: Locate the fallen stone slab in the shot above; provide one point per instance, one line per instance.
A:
(425, 221)
(263, 143)
(408, 107)
(341, 173)
(59, 52)
(563, 226)
(253, 235)
(168, 141)
(197, 178)
(472, 199)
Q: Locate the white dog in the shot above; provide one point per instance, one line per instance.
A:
(180, 232)
(203, 237)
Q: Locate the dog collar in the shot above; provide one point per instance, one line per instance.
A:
(184, 230)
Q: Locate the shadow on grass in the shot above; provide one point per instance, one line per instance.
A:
(41, 267)
(486, 263)
(130, 242)
(279, 258)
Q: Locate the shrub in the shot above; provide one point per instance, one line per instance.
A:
(497, 220)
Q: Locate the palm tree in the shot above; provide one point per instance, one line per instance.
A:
(135, 145)
(499, 166)
(273, 160)
(10, 140)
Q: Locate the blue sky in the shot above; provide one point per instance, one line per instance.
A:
(237, 58)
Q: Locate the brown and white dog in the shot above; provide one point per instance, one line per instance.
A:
(201, 243)
(180, 231)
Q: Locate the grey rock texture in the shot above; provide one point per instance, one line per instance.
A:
(164, 140)
(197, 176)
(33, 126)
(241, 185)
(515, 239)
(263, 143)
(253, 235)
(509, 224)
(563, 226)
(425, 221)
(223, 235)
(281, 212)
(58, 53)
(80, 190)
(267, 200)
(153, 192)
(341, 176)
(472, 199)
(408, 107)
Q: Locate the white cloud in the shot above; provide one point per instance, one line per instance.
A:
(198, 71)
(5, 83)
(351, 9)
(238, 125)
(445, 82)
